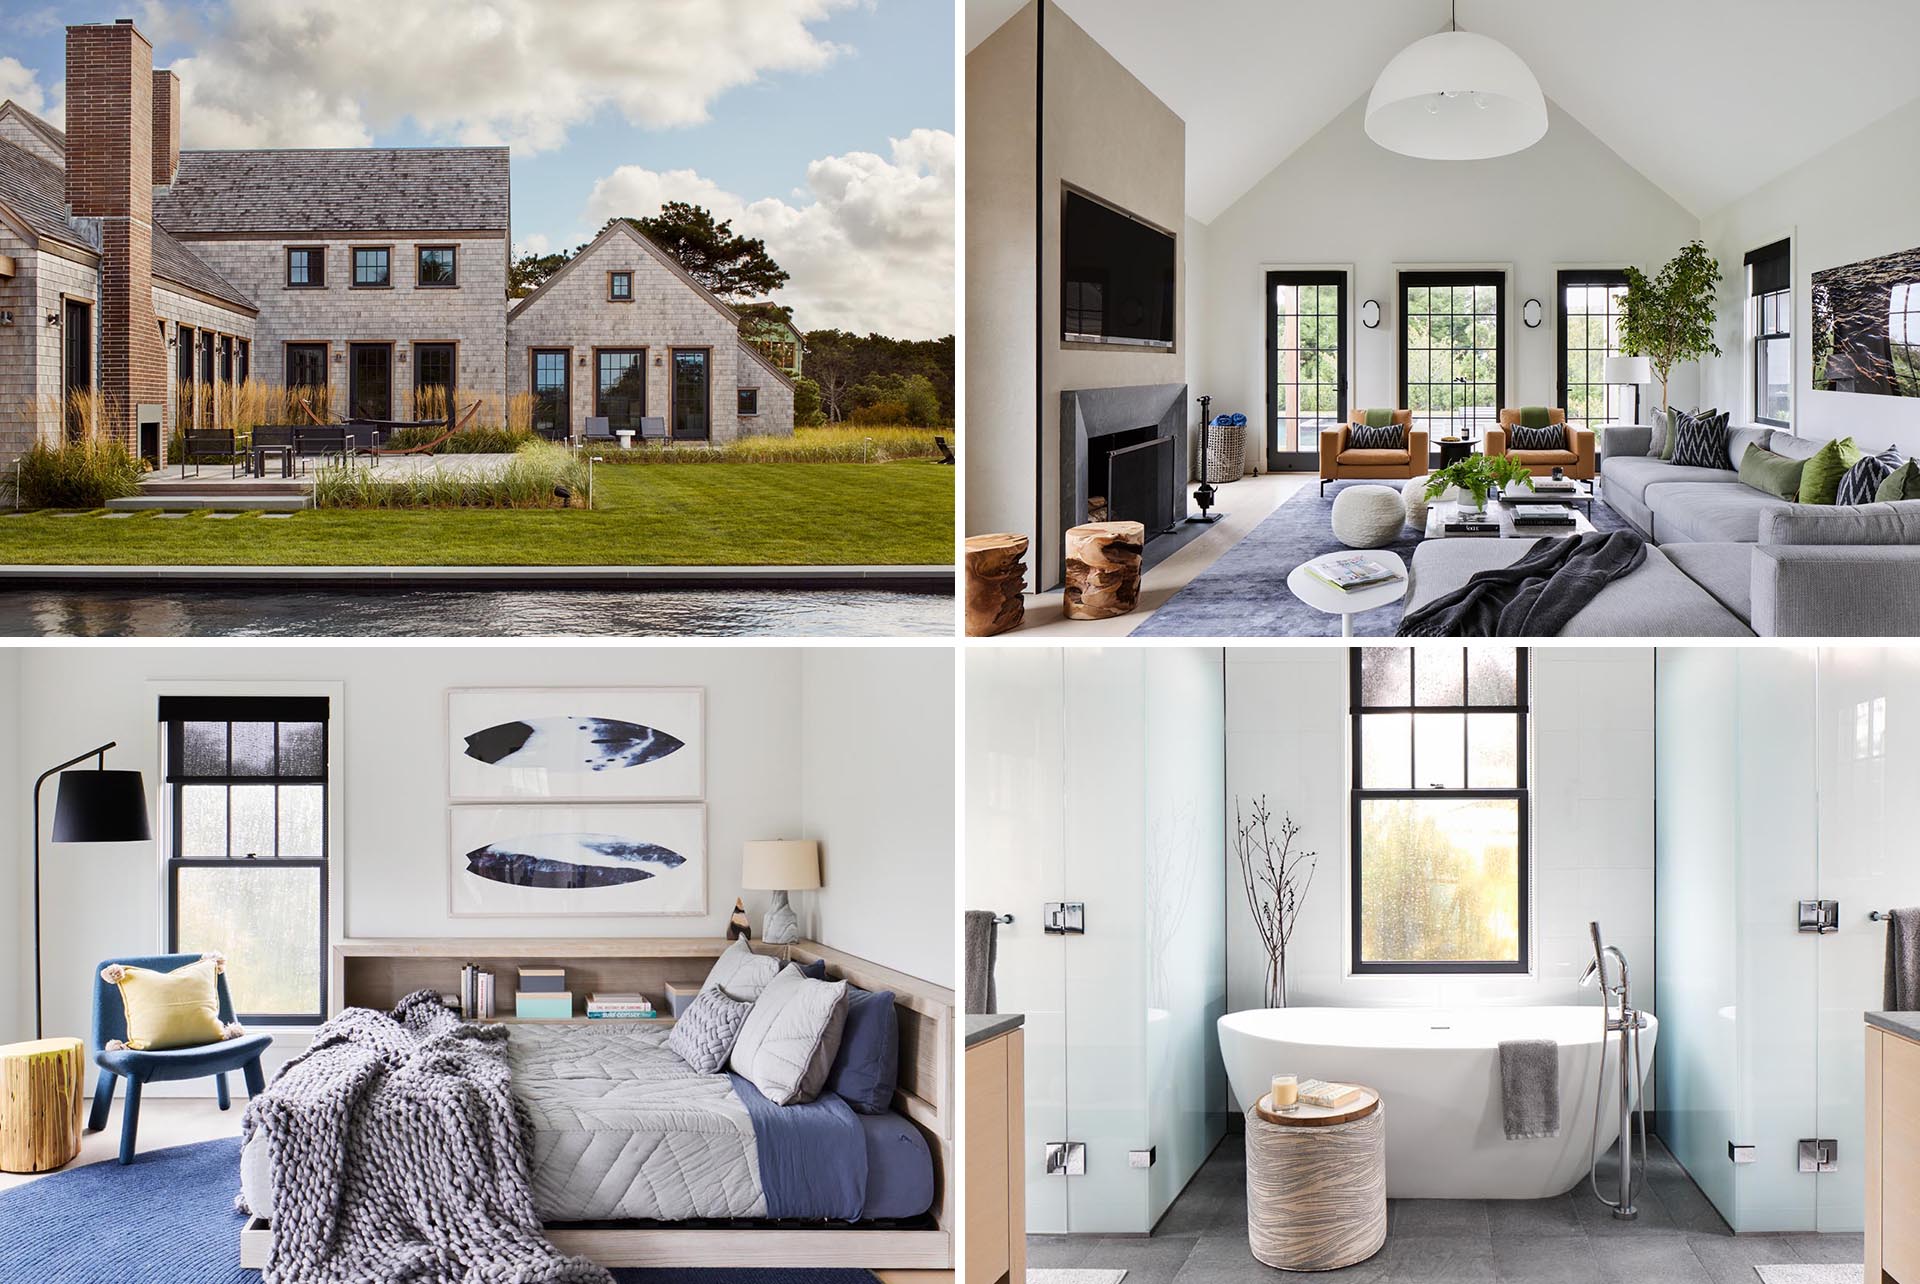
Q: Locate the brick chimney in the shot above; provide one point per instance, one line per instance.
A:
(166, 127)
(110, 167)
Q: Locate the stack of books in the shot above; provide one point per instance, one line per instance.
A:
(1350, 572)
(620, 1007)
(543, 995)
(1471, 522)
(1542, 515)
(1318, 1092)
(1548, 485)
(476, 994)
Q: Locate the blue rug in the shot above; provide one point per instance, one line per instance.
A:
(1245, 593)
(167, 1218)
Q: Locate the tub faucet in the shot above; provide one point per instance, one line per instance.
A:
(1627, 1023)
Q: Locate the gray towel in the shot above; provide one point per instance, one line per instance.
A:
(1903, 961)
(1530, 1088)
(983, 945)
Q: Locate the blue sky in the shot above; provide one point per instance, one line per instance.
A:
(596, 100)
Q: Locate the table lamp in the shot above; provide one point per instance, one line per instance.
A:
(780, 865)
(1628, 370)
(97, 806)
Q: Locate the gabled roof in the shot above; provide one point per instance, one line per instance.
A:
(311, 190)
(622, 226)
(56, 139)
(36, 192)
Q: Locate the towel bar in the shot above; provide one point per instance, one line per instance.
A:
(1003, 918)
(1877, 915)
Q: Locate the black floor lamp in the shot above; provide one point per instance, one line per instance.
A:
(97, 806)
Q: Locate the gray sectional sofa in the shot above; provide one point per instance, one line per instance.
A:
(1731, 560)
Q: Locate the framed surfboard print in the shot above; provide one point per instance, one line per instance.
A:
(587, 859)
(576, 744)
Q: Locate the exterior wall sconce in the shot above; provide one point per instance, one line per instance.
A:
(53, 319)
(6, 316)
(403, 356)
(658, 361)
(339, 358)
(583, 361)
(1370, 314)
(1531, 314)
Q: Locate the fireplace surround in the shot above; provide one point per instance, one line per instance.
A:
(1100, 424)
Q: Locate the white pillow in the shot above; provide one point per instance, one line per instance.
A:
(739, 973)
(787, 1044)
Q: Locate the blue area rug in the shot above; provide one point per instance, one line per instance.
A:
(168, 1218)
(1245, 593)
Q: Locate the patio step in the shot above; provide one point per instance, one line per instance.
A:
(224, 500)
(153, 484)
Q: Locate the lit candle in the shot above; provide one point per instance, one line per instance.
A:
(1286, 1091)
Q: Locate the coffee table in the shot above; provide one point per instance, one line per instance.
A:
(1582, 493)
(1440, 513)
(1346, 603)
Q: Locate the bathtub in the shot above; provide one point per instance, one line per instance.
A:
(1438, 1071)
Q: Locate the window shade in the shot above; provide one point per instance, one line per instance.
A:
(1772, 267)
(243, 708)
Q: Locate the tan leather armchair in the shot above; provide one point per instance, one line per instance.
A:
(1339, 463)
(1576, 462)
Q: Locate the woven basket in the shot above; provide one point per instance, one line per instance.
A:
(1226, 455)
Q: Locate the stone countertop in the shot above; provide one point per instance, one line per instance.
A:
(982, 1028)
(1904, 1024)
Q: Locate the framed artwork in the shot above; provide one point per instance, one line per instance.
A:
(587, 859)
(576, 744)
(1866, 326)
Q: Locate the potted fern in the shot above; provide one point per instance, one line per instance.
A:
(1668, 318)
(1477, 475)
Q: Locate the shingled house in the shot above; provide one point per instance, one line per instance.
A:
(136, 270)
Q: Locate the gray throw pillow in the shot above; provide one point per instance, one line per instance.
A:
(1662, 433)
(787, 1043)
(741, 973)
(1861, 483)
(703, 1035)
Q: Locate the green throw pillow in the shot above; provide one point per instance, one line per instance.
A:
(1535, 417)
(1378, 418)
(1775, 474)
(1902, 483)
(1820, 480)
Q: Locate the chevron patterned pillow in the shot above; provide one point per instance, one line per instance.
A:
(1383, 437)
(1700, 441)
(1864, 478)
(1551, 437)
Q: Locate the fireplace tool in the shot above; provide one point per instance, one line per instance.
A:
(1204, 495)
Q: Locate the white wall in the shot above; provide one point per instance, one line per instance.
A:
(877, 792)
(1343, 201)
(1198, 308)
(105, 901)
(1592, 823)
(16, 863)
(1854, 201)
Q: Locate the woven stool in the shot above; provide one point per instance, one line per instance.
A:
(1317, 1184)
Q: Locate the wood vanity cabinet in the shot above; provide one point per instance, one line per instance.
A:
(996, 1242)
(1893, 1158)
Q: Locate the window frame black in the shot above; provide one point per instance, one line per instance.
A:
(1304, 455)
(612, 275)
(747, 402)
(1610, 278)
(1522, 795)
(420, 262)
(316, 264)
(353, 267)
(172, 736)
(1429, 277)
(1780, 251)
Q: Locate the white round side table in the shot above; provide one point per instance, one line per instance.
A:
(1346, 603)
(1317, 1183)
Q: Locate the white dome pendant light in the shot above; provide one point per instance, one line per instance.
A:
(1456, 96)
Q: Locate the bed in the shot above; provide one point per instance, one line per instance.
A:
(636, 1159)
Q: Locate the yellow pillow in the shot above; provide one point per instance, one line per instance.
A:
(177, 1009)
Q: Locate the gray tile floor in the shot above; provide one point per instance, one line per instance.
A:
(1571, 1239)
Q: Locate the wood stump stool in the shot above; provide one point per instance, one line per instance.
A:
(1317, 1184)
(996, 579)
(40, 1104)
(1103, 569)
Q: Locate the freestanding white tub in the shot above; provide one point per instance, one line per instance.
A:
(1438, 1070)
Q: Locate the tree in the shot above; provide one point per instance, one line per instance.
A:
(732, 266)
(806, 403)
(1668, 319)
(530, 271)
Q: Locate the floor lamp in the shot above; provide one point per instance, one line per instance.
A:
(1628, 370)
(97, 806)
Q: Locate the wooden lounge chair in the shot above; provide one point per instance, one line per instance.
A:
(211, 444)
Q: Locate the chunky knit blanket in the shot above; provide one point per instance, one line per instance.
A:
(398, 1155)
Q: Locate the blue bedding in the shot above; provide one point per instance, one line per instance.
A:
(819, 1161)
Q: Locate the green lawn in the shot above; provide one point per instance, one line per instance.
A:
(645, 515)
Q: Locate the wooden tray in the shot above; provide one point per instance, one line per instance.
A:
(1307, 1116)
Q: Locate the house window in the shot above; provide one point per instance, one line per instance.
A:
(437, 266)
(1770, 321)
(246, 845)
(1440, 803)
(1589, 334)
(1453, 351)
(243, 356)
(691, 407)
(226, 358)
(749, 401)
(306, 267)
(620, 287)
(207, 340)
(433, 375)
(371, 265)
(621, 393)
(552, 416)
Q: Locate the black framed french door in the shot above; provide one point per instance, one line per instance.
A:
(692, 399)
(1453, 351)
(370, 380)
(1589, 332)
(1306, 364)
(552, 385)
(76, 322)
(433, 367)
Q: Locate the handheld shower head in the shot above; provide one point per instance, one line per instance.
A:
(1586, 977)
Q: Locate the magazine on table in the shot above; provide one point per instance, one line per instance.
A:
(1543, 515)
(1351, 571)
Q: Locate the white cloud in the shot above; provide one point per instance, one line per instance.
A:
(869, 246)
(532, 243)
(20, 84)
(326, 73)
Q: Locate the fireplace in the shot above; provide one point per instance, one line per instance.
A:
(1123, 457)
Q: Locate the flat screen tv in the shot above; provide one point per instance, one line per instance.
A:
(1116, 277)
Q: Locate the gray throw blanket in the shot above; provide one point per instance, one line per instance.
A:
(1535, 596)
(1903, 961)
(1530, 1088)
(398, 1156)
(982, 943)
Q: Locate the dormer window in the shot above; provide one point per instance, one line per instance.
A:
(620, 287)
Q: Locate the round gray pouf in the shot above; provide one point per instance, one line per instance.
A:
(1368, 516)
(1415, 495)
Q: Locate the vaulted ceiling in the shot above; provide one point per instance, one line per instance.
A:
(1709, 99)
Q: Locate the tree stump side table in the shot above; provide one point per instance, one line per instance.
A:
(1317, 1184)
(1103, 569)
(996, 580)
(40, 1104)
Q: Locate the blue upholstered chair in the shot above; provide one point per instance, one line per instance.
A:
(137, 1068)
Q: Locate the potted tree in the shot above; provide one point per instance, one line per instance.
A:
(1477, 475)
(1668, 318)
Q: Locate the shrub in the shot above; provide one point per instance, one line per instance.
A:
(835, 445)
(881, 412)
(806, 404)
(468, 441)
(76, 474)
(537, 471)
(923, 402)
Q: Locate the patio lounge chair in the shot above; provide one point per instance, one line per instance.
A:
(653, 428)
(946, 451)
(597, 430)
(213, 444)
